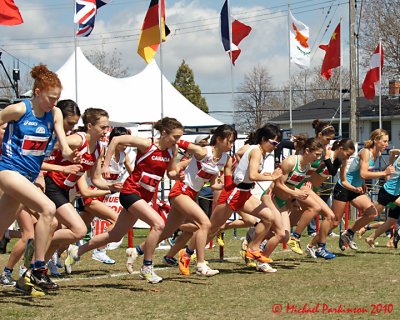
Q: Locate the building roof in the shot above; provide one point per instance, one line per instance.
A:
(326, 109)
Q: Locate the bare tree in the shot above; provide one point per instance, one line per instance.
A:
(308, 85)
(24, 84)
(380, 20)
(108, 63)
(256, 104)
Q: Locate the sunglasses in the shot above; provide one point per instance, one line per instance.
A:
(273, 142)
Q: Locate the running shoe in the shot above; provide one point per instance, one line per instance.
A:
(53, 269)
(220, 240)
(40, 278)
(57, 259)
(25, 286)
(370, 242)
(171, 261)
(101, 256)
(333, 234)
(311, 251)
(131, 256)
(72, 258)
(294, 245)
(7, 280)
(22, 270)
(323, 253)
(28, 253)
(396, 238)
(205, 270)
(347, 239)
(147, 272)
(265, 267)
(184, 261)
(257, 255)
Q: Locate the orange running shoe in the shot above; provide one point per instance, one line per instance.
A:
(257, 255)
(184, 261)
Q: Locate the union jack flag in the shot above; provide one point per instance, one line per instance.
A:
(85, 15)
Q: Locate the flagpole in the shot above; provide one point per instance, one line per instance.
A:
(340, 84)
(231, 58)
(160, 2)
(76, 60)
(290, 72)
(380, 83)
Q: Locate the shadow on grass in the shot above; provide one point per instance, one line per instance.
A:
(25, 300)
(114, 286)
(372, 251)
(192, 279)
(88, 273)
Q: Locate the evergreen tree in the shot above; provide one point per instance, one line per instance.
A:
(185, 84)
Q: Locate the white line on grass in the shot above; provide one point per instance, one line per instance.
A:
(116, 275)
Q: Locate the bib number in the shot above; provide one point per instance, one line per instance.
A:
(34, 146)
(149, 181)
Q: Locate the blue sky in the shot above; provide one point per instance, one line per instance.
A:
(47, 37)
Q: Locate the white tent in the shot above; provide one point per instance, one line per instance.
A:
(135, 99)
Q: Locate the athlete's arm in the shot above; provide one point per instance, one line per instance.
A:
(127, 164)
(126, 140)
(67, 152)
(12, 113)
(255, 157)
(97, 178)
(174, 172)
(86, 191)
(365, 174)
(70, 169)
(343, 179)
(197, 151)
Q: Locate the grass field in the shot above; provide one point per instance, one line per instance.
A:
(352, 286)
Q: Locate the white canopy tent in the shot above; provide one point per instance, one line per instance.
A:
(135, 99)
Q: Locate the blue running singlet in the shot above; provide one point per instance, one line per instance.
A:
(25, 143)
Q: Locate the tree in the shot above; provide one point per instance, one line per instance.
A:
(185, 84)
(380, 20)
(108, 63)
(257, 103)
(24, 84)
(308, 85)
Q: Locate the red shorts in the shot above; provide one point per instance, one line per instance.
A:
(235, 198)
(180, 188)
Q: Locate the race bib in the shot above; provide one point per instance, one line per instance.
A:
(71, 179)
(34, 146)
(149, 181)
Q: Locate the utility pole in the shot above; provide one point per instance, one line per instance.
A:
(353, 73)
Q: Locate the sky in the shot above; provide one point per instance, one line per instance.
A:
(47, 36)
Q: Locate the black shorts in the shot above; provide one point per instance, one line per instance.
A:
(340, 193)
(384, 197)
(128, 199)
(394, 213)
(56, 194)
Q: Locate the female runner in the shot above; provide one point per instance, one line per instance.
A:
(152, 162)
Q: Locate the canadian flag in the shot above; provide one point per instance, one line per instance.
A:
(373, 75)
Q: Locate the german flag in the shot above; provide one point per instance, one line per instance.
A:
(150, 36)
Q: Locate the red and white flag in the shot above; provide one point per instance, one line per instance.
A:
(374, 73)
(9, 13)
